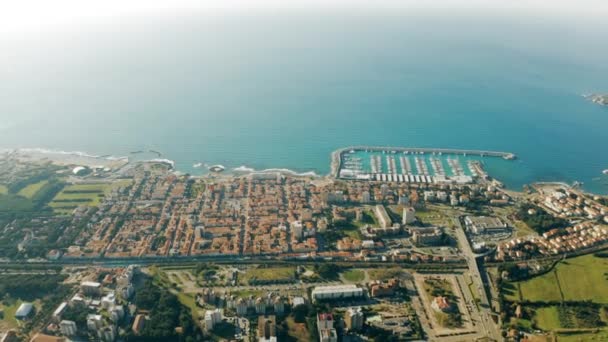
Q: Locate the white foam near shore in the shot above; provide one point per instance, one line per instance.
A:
(162, 160)
(38, 150)
(243, 168)
(69, 157)
(95, 161)
(246, 169)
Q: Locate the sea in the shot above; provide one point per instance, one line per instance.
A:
(283, 89)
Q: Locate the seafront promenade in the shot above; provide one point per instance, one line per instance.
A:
(336, 156)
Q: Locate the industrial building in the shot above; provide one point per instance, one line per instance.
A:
(24, 310)
(484, 224)
(336, 292)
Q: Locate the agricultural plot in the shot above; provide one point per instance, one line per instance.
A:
(578, 279)
(90, 194)
(30, 190)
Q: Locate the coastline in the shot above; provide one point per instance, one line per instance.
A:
(61, 157)
(79, 158)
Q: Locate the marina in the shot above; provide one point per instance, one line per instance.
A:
(412, 165)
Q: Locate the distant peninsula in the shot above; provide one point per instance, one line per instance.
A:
(601, 99)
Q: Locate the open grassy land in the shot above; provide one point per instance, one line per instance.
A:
(3, 189)
(575, 322)
(437, 215)
(354, 275)
(268, 275)
(353, 231)
(9, 321)
(384, 273)
(298, 331)
(30, 190)
(577, 279)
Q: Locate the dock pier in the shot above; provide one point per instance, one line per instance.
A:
(336, 156)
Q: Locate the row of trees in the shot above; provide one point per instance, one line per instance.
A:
(30, 286)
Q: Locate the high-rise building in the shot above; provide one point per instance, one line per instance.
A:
(138, 324)
(267, 329)
(107, 333)
(212, 317)
(94, 322)
(296, 230)
(68, 328)
(353, 318)
(365, 197)
(241, 307)
(91, 288)
(325, 324)
(409, 215)
(384, 220)
(279, 305)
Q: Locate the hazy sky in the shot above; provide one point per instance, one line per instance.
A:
(18, 17)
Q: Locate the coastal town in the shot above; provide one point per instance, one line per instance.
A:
(395, 244)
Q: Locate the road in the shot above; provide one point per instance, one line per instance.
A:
(489, 328)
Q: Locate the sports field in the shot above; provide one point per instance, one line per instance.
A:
(354, 275)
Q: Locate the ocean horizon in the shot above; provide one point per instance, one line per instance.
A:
(283, 90)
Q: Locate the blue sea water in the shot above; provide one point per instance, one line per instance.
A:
(284, 89)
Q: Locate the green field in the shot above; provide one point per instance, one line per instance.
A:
(268, 275)
(90, 194)
(580, 279)
(354, 275)
(9, 320)
(547, 318)
(30, 190)
(3, 189)
(12, 202)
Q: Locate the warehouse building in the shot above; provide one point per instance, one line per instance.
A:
(336, 292)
